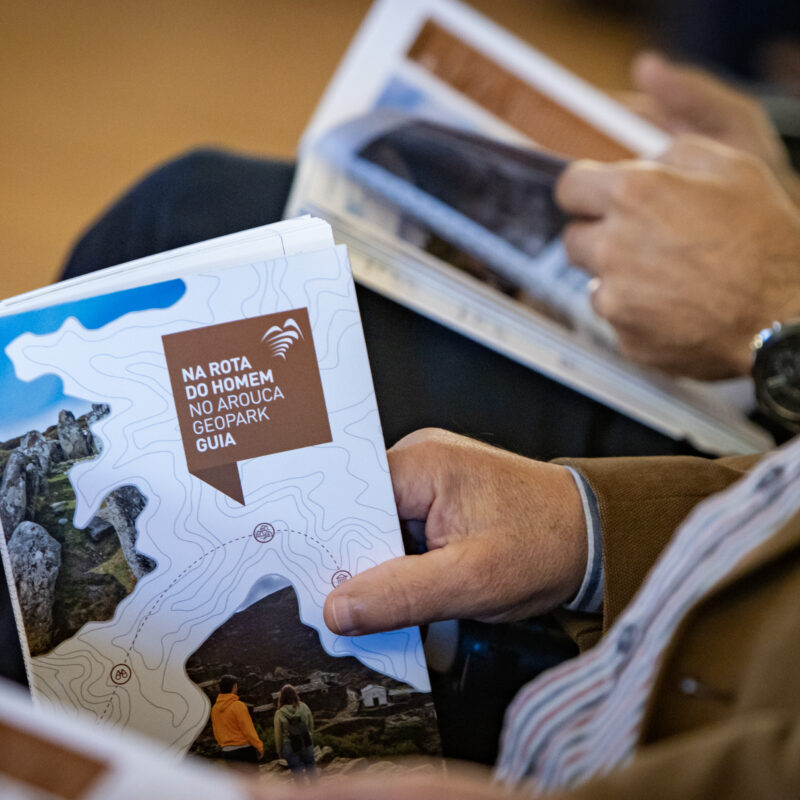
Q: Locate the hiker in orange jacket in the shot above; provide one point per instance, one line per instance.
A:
(233, 728)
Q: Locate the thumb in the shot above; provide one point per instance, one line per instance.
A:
(405, 591)
(688, 98)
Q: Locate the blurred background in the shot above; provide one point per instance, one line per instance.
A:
(96, 92)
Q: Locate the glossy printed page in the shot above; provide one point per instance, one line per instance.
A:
(199, 445)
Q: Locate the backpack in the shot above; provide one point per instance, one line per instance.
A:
(299, 737)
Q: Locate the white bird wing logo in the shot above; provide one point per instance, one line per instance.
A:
(280, 339)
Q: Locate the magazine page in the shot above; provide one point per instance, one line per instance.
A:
(447, 65)
(48, 755)
(441, 61)
(481, 205)
(404, 273)
(189, 467)
(442, 58)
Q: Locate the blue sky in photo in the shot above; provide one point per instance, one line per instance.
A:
(35, 404)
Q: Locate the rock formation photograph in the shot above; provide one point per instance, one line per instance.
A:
(65, 576)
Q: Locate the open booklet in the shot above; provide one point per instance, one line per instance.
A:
(434, 153)
(192, 458)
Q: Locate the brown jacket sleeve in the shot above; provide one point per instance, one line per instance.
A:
(751, 756)
(641, 502)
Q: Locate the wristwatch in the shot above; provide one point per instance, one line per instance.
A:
(776, 372)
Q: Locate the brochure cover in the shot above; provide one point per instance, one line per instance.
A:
(189, 467)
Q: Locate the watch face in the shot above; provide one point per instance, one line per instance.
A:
(777, 377)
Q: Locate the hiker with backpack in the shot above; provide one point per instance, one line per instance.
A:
(294, 725)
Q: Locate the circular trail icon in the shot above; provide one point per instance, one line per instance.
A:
(339, 577)
(264, 532)
(120, 674)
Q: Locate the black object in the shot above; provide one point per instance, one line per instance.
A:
(492, 663)
(299, 737)
(776, 373)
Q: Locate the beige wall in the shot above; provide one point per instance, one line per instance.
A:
(94, 92)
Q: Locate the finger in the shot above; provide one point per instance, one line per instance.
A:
(616, 301)
(643, 105)
(413, 477)
(593, 287)
(583, 242)
(410, 590)
(598, 295)
(689, 97)
(696, 153)
(585, 187)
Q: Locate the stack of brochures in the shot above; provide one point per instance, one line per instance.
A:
(192, 461)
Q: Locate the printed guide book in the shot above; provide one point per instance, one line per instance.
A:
(192, 460)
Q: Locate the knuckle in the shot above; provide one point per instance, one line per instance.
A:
(425, 438)
(571, 184)
(601, 302)
(562, 189)
(608, 304)
(687, 147)
(606, 254)
(748, 166)
(630, 188)
(400, 597)
(749, 106)
(572, 239)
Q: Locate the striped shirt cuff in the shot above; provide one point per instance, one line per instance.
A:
(590, 596)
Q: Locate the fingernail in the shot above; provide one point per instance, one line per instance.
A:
(342, 610)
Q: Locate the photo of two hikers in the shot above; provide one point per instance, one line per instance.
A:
(241, 745)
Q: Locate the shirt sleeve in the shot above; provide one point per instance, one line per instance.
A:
(589, 598)
(641, 501)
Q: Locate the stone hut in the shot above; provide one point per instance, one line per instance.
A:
(373, 695)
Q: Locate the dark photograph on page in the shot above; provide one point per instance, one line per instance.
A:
(507, 190)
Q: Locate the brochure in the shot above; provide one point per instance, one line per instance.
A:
(50, 754)
(192, 459)
(434, 153)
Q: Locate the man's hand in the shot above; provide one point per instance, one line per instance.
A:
(682, 99)
(694, 253)
(506, 538)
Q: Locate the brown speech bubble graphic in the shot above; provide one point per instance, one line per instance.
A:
(245, 389)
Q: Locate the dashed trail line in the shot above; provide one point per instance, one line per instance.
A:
(308, 537)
